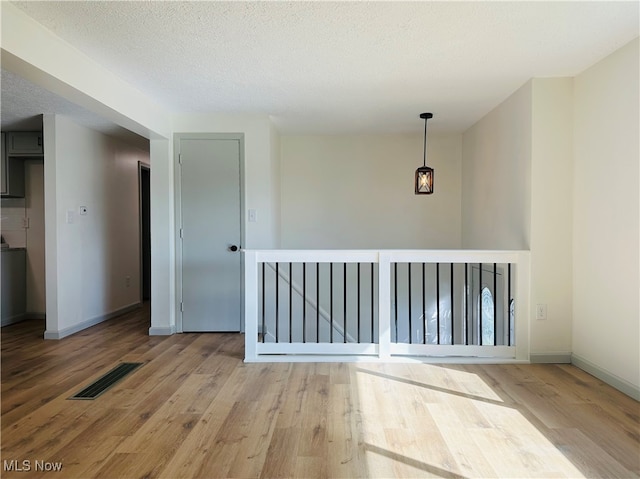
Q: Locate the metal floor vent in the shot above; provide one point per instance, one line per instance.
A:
(100, 385)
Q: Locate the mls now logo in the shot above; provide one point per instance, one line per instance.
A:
(27, 465)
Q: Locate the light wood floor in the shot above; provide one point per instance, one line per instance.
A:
(196, 410)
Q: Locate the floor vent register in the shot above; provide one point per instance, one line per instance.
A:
(105, 382)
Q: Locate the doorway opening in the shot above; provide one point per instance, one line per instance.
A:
(144, 182)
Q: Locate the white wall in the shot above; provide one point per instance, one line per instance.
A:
(163, 250)
(606, 289)
(343, 192)
(496, 176)
(276, 188)
(551, 213)
(96, 253)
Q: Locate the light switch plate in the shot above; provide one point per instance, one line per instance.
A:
(253, 216)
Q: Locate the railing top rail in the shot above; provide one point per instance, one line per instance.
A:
(375, 256)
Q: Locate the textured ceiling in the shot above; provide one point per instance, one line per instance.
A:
(328, 67)
(23, 104)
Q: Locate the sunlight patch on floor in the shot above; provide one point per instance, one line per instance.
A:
(443, 422)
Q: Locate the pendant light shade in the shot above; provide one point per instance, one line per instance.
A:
(424, 174)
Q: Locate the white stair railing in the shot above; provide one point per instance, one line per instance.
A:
(459, 334)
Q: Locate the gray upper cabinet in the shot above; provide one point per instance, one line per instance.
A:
(12, 173)
(24, 143)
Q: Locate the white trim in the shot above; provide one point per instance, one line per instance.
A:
(338, 358)
(162, 330)
(384, 305)
(250, 305)
(456, 350)
(318, 348)
(608, 377)
(551, 358)
(63, 333)
(13, 319)
(317, 256)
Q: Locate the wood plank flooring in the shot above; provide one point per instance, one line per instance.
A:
(195, 410)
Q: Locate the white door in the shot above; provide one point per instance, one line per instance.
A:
(210, 214)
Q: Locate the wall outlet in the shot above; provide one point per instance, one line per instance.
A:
(127, 281)
(541, 311)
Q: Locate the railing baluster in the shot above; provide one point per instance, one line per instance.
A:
(317, 302)
(509, 304)
(344, 293)
(395, 297)
(358, 335)
(331, 302)
(466, 303)
(409, 294)
(304, 302)
(437, 303)
(372, 304)
(290, 302)
(277, 303)
(264, 327)
(495, 304)
(452, 302)
(424, 306)
(480, 301)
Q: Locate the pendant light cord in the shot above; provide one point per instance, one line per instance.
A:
(424, 151)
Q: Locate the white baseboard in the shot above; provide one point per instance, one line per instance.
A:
(63, 333)
(611, 379)
(162, 330)
(550, 358)
(13, 319)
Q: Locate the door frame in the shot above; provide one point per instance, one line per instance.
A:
(177, 138)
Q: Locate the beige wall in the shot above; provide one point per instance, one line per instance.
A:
(496, 176)
(343, 191)
(551, 212)
(92, 255)
(605, 221)
(516, 179)
(35, 241)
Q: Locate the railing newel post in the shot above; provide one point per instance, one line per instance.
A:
(384, 305)
(250, 306)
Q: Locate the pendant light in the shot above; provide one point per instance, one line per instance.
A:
(424, 174)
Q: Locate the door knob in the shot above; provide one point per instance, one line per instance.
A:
(233, 248)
